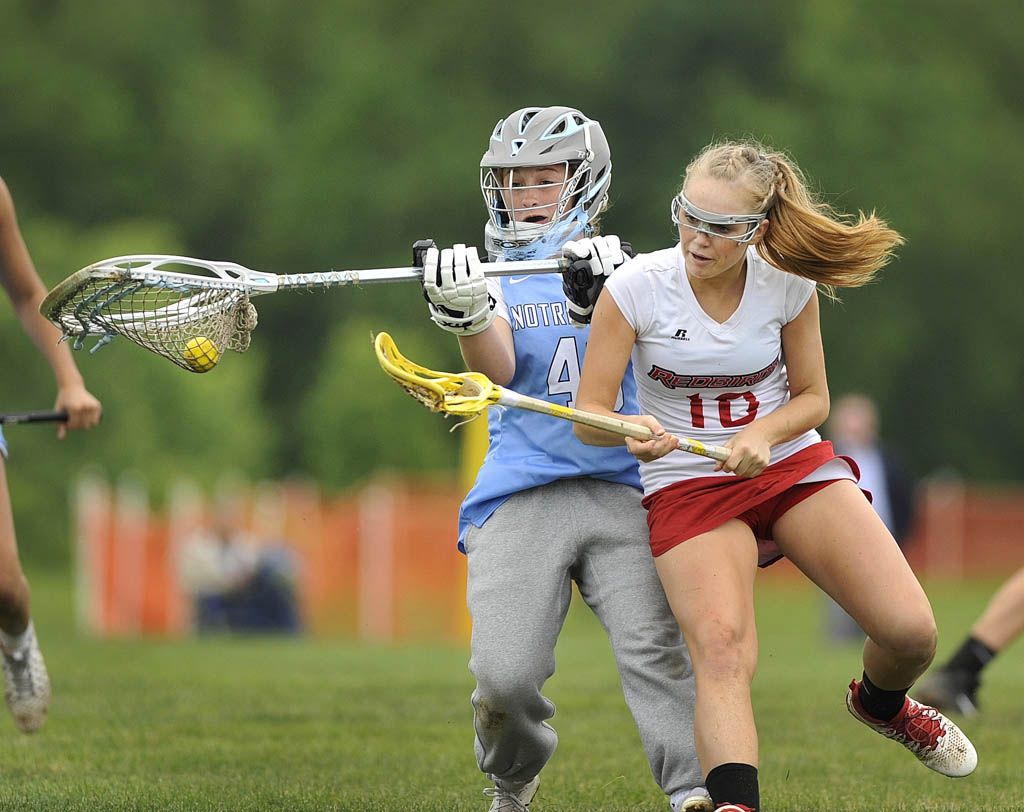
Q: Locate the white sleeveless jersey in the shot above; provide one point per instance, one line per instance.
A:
(699, 378)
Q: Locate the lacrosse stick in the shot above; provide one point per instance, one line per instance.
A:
(33, 417)
(469, 393)
(191, 310)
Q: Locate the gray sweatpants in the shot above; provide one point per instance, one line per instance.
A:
(521, 566)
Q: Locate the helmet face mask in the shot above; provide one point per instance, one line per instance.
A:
(559, 139)
(528, 200)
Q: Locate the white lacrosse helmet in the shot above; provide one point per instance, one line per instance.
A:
(543, 136)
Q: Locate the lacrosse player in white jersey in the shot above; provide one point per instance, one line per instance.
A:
(26, 683)
(547, 510)
(725, 343)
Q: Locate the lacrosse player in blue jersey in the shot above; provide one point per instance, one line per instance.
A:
(546, 510)
(26, 683)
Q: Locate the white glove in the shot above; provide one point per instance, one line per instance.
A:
(593, 259)
(456, 290)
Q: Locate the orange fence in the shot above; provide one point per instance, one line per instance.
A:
(380, 562)
(966, 531)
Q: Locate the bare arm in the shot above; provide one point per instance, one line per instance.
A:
(608, 349)
(807, 407)
(491, 352)
(26, 290)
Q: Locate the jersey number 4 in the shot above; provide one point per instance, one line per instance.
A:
(564, 372)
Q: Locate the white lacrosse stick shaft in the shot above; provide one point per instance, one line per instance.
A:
(151, 269)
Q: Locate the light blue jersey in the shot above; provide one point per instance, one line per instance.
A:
(3, 445)
(528, 449)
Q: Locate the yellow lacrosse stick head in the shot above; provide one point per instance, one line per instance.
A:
(466, 394)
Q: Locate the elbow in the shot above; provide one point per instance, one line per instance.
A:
(815, 408)
(824, 408)
(500, 371)
(585, 434)
(502, 377)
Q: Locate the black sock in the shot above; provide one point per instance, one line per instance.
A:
(734, 784)
(970, 658)
(880, 703)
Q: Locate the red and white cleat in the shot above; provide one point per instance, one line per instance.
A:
(938, 743)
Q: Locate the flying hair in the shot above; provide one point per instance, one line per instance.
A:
(806, 236)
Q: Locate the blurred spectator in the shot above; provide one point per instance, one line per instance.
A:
(853, 428)
(954, 686)
(239, 582)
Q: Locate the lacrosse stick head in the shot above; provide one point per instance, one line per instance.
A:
(466, 394)
(144, 300)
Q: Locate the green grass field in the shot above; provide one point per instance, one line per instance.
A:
(258, 724)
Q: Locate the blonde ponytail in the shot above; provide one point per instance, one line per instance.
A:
(806, 237)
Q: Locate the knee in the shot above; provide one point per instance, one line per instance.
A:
(913, 637)
(507, 703)
(493, 696)
(724, 654)
(505, 685)
(491, 711)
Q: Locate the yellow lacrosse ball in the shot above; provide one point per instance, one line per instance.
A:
(201, 354)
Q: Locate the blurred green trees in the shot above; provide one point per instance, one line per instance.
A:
(333, 133)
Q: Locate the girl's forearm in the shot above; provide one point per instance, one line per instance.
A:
(802, 413)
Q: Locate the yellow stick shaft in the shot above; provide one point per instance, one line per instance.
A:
(507, 397)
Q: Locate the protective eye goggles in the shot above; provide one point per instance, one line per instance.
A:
(726, 226)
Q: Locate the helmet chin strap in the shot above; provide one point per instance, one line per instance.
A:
(551, 243)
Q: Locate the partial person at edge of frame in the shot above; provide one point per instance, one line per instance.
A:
(546, 510)
(954, 685)
(724, 337)
(26, 682)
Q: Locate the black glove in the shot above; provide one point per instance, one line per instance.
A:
(593, 260)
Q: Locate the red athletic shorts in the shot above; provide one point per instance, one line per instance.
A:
(688, 508)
